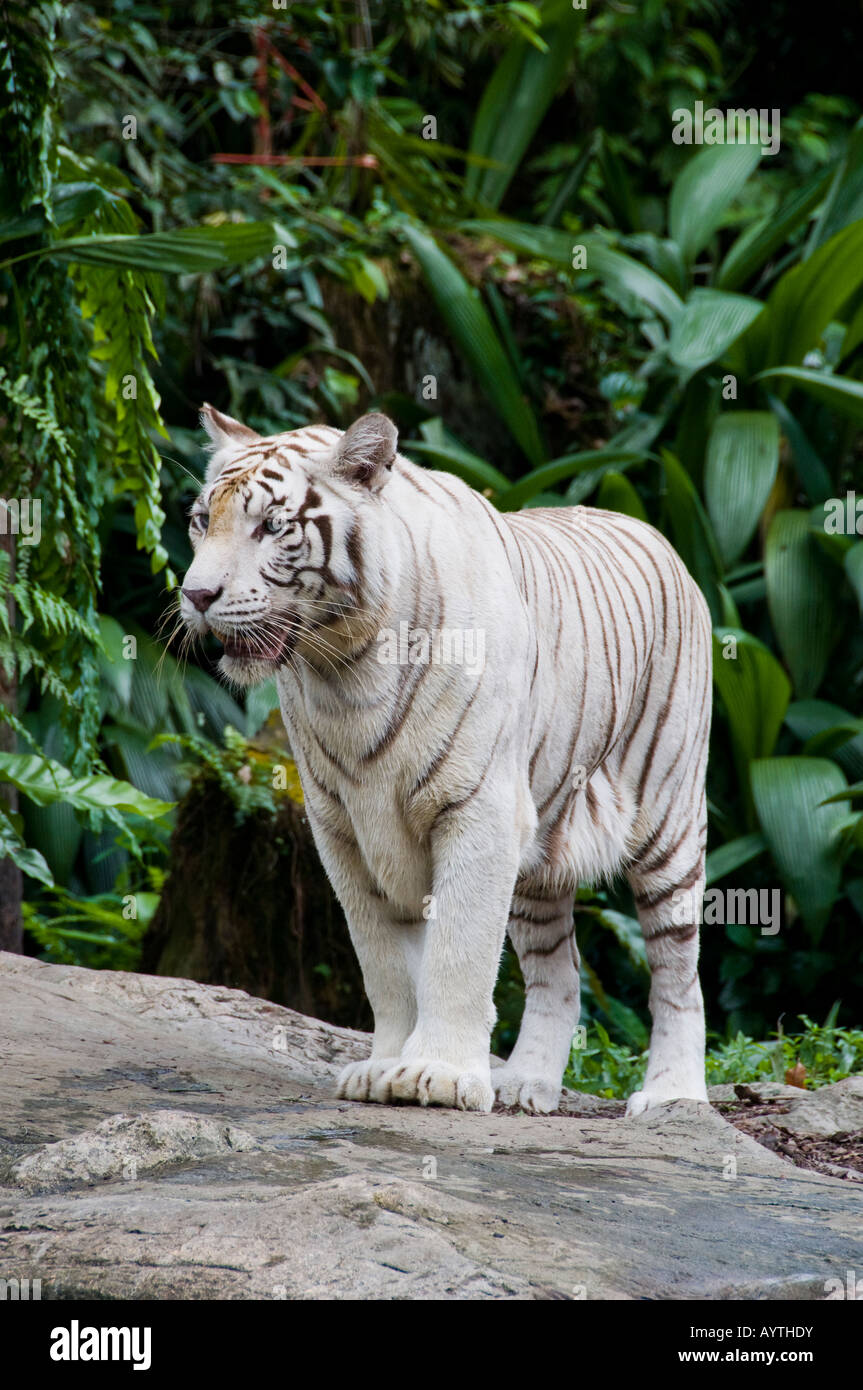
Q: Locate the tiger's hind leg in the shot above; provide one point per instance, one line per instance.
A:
(668, 884)
(541, 930)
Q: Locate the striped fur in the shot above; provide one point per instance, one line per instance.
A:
(450, 803)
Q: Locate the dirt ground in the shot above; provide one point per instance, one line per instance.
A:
(836, 1155)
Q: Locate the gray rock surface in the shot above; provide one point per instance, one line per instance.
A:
(836, 1109)
(164, 1139)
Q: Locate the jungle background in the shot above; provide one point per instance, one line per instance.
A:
(300, 212)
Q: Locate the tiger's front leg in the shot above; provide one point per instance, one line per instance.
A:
(387, 950)
(445, 1060)
(387, 953)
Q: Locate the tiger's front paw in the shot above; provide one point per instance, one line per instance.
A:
(426, 1082)
(533, 1094)
(359, 1079)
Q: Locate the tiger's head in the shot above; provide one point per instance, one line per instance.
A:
(276, 532)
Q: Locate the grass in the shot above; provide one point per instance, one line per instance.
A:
(828, 1053)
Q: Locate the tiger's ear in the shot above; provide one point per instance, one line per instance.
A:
(224, 433)
(367, 451)
(223, 430)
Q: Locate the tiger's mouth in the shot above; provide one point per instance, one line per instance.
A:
(256, 646)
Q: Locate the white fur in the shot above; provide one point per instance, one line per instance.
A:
(596, 682)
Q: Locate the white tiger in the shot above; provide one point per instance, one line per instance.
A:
(453, 800)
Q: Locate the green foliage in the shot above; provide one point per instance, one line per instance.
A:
(251, 780)
(606, 1068)
(97, 931)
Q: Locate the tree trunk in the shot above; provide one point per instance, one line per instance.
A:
(11, 878)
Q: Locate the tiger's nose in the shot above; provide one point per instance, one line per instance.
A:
(202, 598)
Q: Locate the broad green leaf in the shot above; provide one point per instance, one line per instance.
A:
(732, 856)
(853, 333)
(755, 692)
(740, 470)
(810, 470)
(663, 256)
(465, 465)
(801, 599)
(693, 534)
(70, 202)
(704, 190)
(844, 201)
(831, 740)
(114, 668)
(628, 932)
(28, 860)
(540, 479)
(628, 282)
(464, 313)
(803, 833)
(854, 570)
(708, 324)
(848, 794)
(261, 702)
(515, 101)
(806, 299)
(616, 494)
(187, 251)
(758, 243)
(840, 393)
(45, 781)
(808, 718)
(56, 832)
